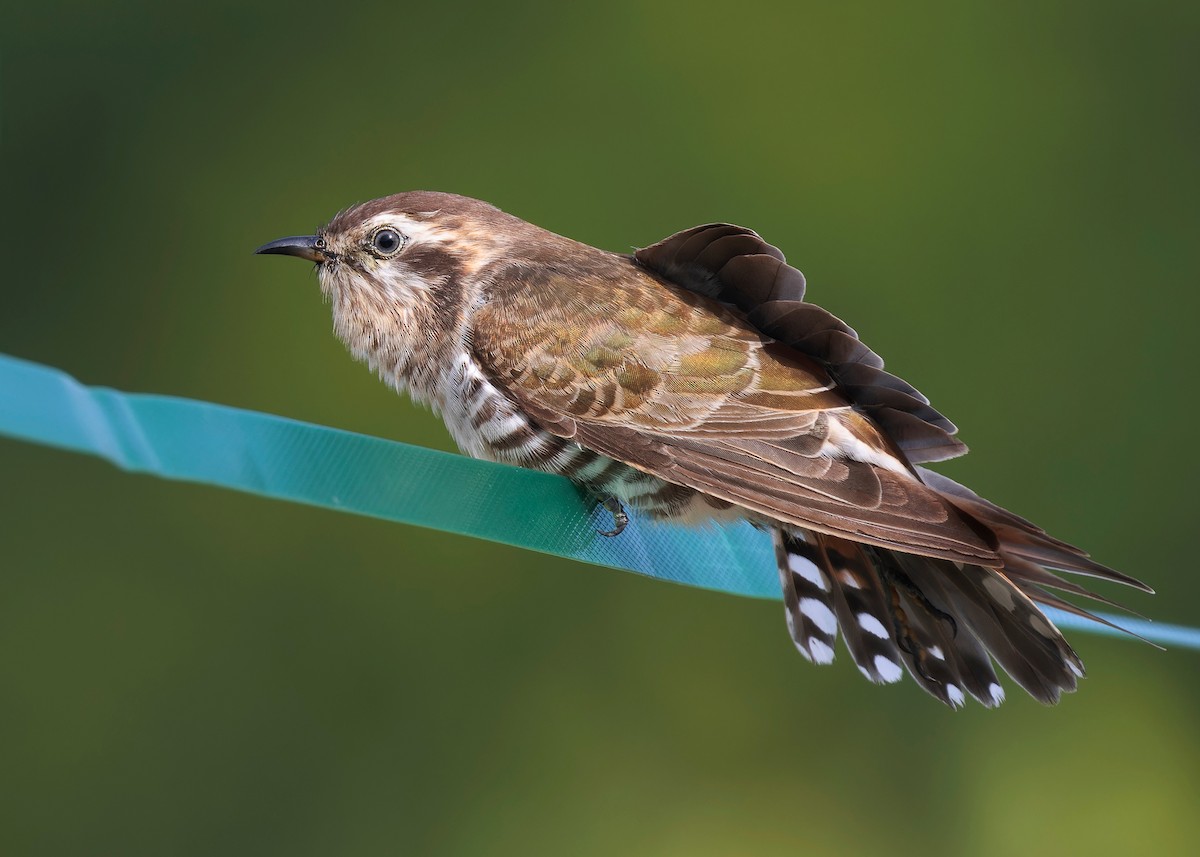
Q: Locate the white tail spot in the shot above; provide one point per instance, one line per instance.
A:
(821, 652)
(872, 626)
(889, 671)
(1041, 624)
(820, 614)
(806, 568)
(849, 578)
(954, 692)
(1000, 593)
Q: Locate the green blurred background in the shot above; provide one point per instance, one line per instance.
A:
(1002, 198)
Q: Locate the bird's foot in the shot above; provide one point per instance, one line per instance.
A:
(620, 517)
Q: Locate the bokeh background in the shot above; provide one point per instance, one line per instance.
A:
(1002, 198)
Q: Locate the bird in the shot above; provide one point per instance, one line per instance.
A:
(691, 380)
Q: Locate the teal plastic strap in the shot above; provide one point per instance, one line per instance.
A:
(277, 457)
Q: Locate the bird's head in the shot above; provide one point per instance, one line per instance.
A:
(400, 275)
(403, 248)
(402, 272)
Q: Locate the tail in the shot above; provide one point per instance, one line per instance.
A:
(942, 621)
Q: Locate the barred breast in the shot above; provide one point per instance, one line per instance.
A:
(486, 424)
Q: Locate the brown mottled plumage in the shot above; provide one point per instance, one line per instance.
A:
(692, 380)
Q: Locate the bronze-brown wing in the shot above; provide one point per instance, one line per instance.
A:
(678, 385)
(734, 265)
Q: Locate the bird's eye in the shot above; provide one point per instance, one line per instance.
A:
(386, 242)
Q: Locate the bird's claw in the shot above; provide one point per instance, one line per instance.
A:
(620, 517)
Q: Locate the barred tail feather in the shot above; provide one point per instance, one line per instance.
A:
(989, 608)
(828, 583)
(861, 608)
(944, 622)
(807, 597)
(942, 651)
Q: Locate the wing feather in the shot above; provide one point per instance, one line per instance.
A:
(681, 386)
(738, 267)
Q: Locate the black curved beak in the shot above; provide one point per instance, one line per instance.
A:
(310, 247)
